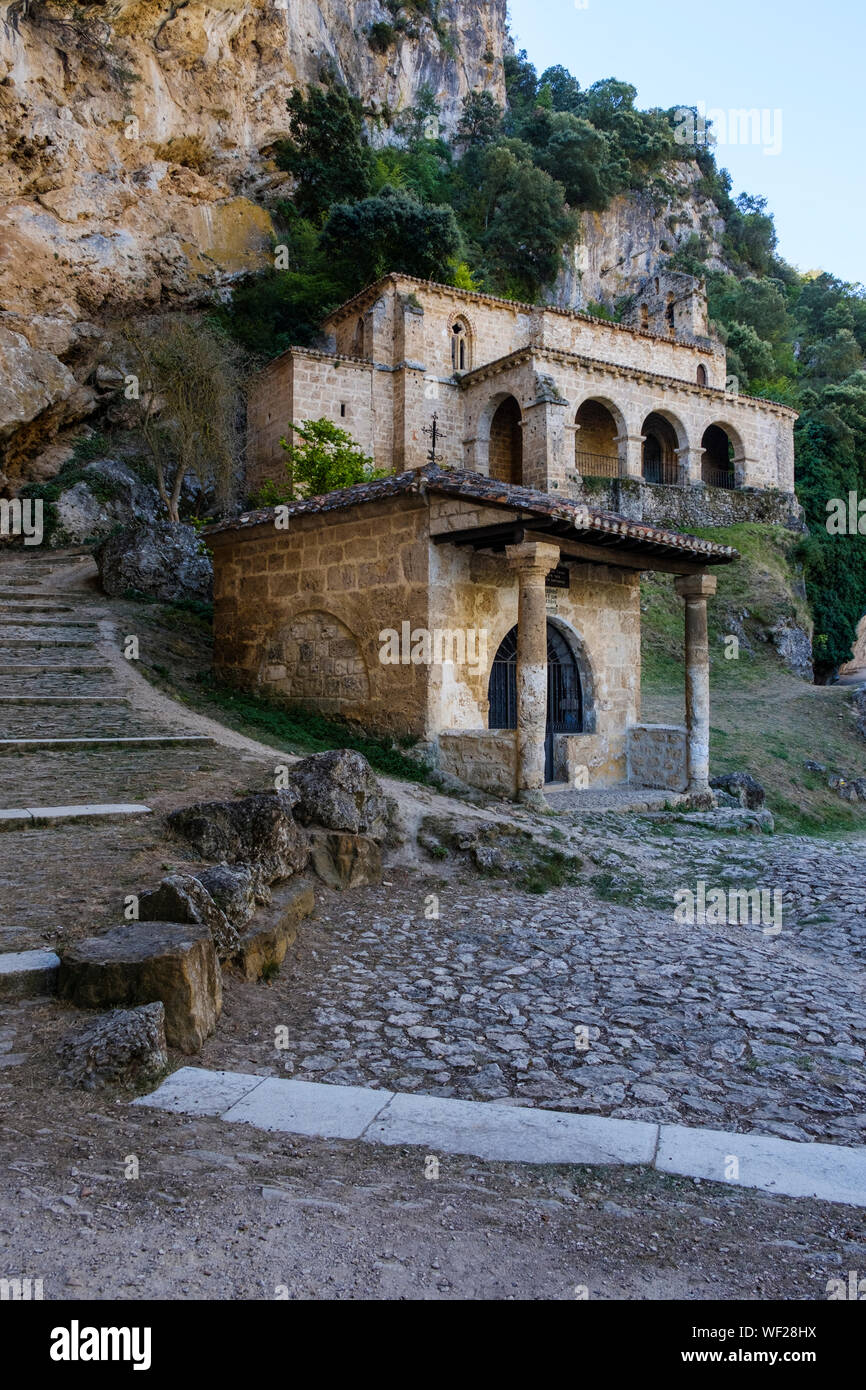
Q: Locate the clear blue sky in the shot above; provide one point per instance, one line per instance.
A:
(803, 58)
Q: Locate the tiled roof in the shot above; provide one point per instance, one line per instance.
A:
(590, 523)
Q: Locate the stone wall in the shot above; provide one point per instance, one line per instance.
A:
(657, 757)
(599, 616)
(683, 507)
(300, 386)
(481, 758)
(550, 362)
(298, 613)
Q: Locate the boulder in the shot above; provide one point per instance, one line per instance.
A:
(127, 1045)
(233, 889)
(345, 861)
(858, 700)
(108, 494)
(257, 831)
(794, 646)
(182, 898)
(265, 945)
(338, 790)
(162, 559)
(142, 962)
(744, 788)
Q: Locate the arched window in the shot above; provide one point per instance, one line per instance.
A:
(644, 316)
(358, 339)
(461, 359)
(702, 375)
(669, 313)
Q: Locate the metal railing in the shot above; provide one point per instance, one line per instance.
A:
(718, 477)
(661, 471)
(597, 465)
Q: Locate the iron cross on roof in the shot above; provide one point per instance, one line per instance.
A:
(434, 433)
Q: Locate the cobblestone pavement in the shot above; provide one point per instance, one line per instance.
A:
(457, 984)
(719, 1026)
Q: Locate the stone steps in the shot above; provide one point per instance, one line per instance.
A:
(42, 644)
(78, 719)
(80, 744)
(27, 974)
(75, 701)
(56, 815)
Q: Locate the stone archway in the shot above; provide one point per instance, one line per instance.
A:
(567, 702)
(661, 445)
(506, 443)
(599, 429)
(317, 661)
(722, 456)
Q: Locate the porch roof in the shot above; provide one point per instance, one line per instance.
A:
(541, 513)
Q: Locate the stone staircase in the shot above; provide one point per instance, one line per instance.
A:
(72, 749)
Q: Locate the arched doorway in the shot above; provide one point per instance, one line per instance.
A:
(564, 692)
(506, 443)
(660, 450)
(717, 459)
(596, 452)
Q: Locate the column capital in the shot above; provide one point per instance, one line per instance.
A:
(696, 585)
(532, 557)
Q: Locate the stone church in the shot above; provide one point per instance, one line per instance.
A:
(475, 599)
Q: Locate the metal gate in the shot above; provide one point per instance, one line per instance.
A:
(564, 692)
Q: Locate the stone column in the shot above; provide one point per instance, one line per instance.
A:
(696, 589)
(689, 460)
(630, 448)
(532, 562)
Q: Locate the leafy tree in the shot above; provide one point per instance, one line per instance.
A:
(188, 377)
(326, 153)
(328, 458)
(527, 222)
(564, 89)
(481, 120)
(392, 231)
(583, 159)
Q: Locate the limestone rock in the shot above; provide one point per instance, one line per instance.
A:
(794, 647)
(127, 1045)
(345, 861)
(338, 790)
(95, 209)
(258, 831)
(233, 889)
(265, 945)
(161, 559)
(182, 898)
(746, 790)
(142, 962)
(110, 493)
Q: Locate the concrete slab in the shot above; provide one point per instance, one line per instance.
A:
(512, 1133)
(95, 812)
(829, 1171)
(197, 1091)
(24, 974)
(308, 1107)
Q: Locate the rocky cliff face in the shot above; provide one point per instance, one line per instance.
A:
(98, 219)
(622, 245)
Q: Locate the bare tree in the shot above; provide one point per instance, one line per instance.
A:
(183, 384)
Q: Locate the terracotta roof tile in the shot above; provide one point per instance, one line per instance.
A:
(590, 522)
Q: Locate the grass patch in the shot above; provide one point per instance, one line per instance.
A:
(303, 731)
